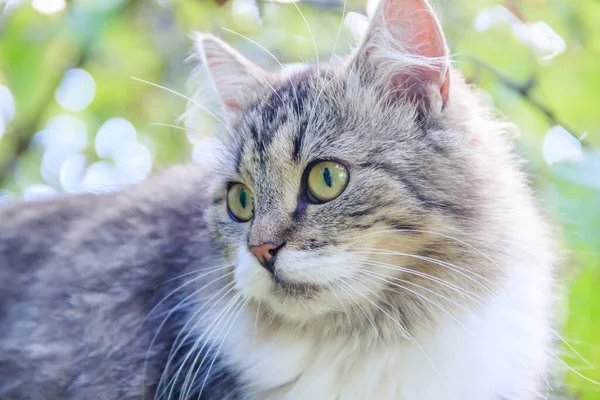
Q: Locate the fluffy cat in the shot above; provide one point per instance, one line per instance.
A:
(363, 231)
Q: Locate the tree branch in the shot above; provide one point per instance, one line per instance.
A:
(525, 89)
(22, 132)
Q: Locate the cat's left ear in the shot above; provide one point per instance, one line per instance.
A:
(405, 52)
(234, 77)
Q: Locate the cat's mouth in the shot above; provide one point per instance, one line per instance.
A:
(287, 288)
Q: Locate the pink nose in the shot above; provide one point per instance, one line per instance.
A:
(264, 252)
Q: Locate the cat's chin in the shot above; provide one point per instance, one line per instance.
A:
(291, 300)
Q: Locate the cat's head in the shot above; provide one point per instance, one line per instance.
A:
(350, 187)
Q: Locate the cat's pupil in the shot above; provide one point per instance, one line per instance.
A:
(327, 177)
(243, 198)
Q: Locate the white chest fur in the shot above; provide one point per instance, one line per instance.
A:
(497, 351)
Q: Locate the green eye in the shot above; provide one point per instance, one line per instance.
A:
(240, 204)
(326, 181)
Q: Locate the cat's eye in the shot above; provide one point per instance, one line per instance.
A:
(240, 203)
(326, 181)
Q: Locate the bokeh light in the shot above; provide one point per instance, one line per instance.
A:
(49, 6)
(64, 136)
(560, 145)
(112, 134)
(71, 173)
(539, 35)
(38, 191)
(76, 91)
(7, 108)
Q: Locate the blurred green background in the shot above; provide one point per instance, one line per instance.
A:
(73, 120)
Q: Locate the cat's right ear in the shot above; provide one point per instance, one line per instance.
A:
(405, 52)
(233, 76)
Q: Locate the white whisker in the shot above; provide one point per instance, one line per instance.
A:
(174, 309)
(572, 349)
(405, 331)
(473, 296)
(579, 374)
(361, 309)
(311, 36)
(339, 32)
(206, 339)
(242, 306)
(177, 343)
(206, 110)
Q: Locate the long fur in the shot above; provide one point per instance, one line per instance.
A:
(429, 277)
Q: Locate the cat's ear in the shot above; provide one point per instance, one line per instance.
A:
(233, 76)
(404, 50)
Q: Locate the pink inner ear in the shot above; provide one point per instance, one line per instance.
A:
(417, 25)
(413, 23)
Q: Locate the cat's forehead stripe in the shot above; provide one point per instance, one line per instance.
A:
(265, 116)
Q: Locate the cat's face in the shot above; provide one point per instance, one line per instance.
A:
(339, 184)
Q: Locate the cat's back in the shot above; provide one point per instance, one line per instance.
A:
(79, 278)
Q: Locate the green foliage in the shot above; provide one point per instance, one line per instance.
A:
(119, 39)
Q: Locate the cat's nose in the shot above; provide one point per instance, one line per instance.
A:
(265, 253)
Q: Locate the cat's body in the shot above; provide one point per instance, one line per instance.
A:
(81, 284)
(364, 232)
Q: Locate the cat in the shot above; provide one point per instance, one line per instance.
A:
(362, 229)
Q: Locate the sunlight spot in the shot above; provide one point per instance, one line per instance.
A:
(357, 24)
(7, 108)
(49, 6)
(134, 162)
(76, 91)
(559, 145)
(2, 126)
(63, 136)
(113, 134)
(6, 198)
(71, 173)
(585, 173)
(7, 103)
(38, 191)
(539, 36)
(101, 177)
(546, 41)
(245, 13)
(67, 132)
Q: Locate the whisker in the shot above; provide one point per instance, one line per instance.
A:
(427, 357)
(450, 266)
(389, 279)
(205, 339)
(579, 374)
(572, 349)
(341, 304)
(242, 306)
(337, 38)
(174, 309)
(437, 234)
(311, 36)
(272, 56)
(256, 322)
(206, 110)
(361, 309)
(190, 353)
(456, 288)
(168, 125)
(175, 348)
(310, 118)
(208, 270)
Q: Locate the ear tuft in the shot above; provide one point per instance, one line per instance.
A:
(233, 76)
